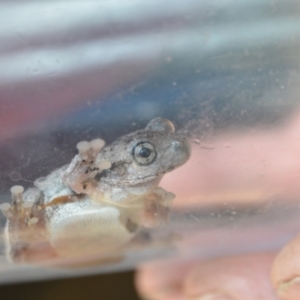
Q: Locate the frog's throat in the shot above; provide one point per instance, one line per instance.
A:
(136, 182)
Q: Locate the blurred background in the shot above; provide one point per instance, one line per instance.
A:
(110, 286)
(227, 73)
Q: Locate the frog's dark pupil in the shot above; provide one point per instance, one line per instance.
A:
(145, 152)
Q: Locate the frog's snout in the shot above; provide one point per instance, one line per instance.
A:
(181, 148)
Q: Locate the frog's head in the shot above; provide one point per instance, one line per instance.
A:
(141, 158)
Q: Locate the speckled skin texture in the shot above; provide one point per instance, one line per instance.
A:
(95, 206)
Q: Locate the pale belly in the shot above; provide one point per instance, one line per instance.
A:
(85, 228)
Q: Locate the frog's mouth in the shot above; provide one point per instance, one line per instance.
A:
(112, 178)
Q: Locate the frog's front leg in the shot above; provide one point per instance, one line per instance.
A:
(155, 212)
(157, 207)
(80, 174)
(25, 235)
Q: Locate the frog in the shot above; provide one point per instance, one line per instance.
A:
(99, 204)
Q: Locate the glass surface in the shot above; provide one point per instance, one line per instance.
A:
(226, 73)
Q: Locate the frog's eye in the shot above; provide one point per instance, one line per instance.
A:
(144, 153)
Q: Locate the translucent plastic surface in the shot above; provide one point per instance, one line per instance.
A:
(226, 73)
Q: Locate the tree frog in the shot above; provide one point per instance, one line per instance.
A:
(99, 203)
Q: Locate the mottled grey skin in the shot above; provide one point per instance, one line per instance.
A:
(83, 210)
(127, 176)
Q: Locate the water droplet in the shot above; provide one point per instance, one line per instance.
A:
(15, 176)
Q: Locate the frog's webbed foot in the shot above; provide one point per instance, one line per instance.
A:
(22, 213)
(24, 220)
(80, 173)
(157, 208)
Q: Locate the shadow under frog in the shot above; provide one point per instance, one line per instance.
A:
(99, 204)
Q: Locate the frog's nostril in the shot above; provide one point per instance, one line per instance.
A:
(182, 147)
(176, 144)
